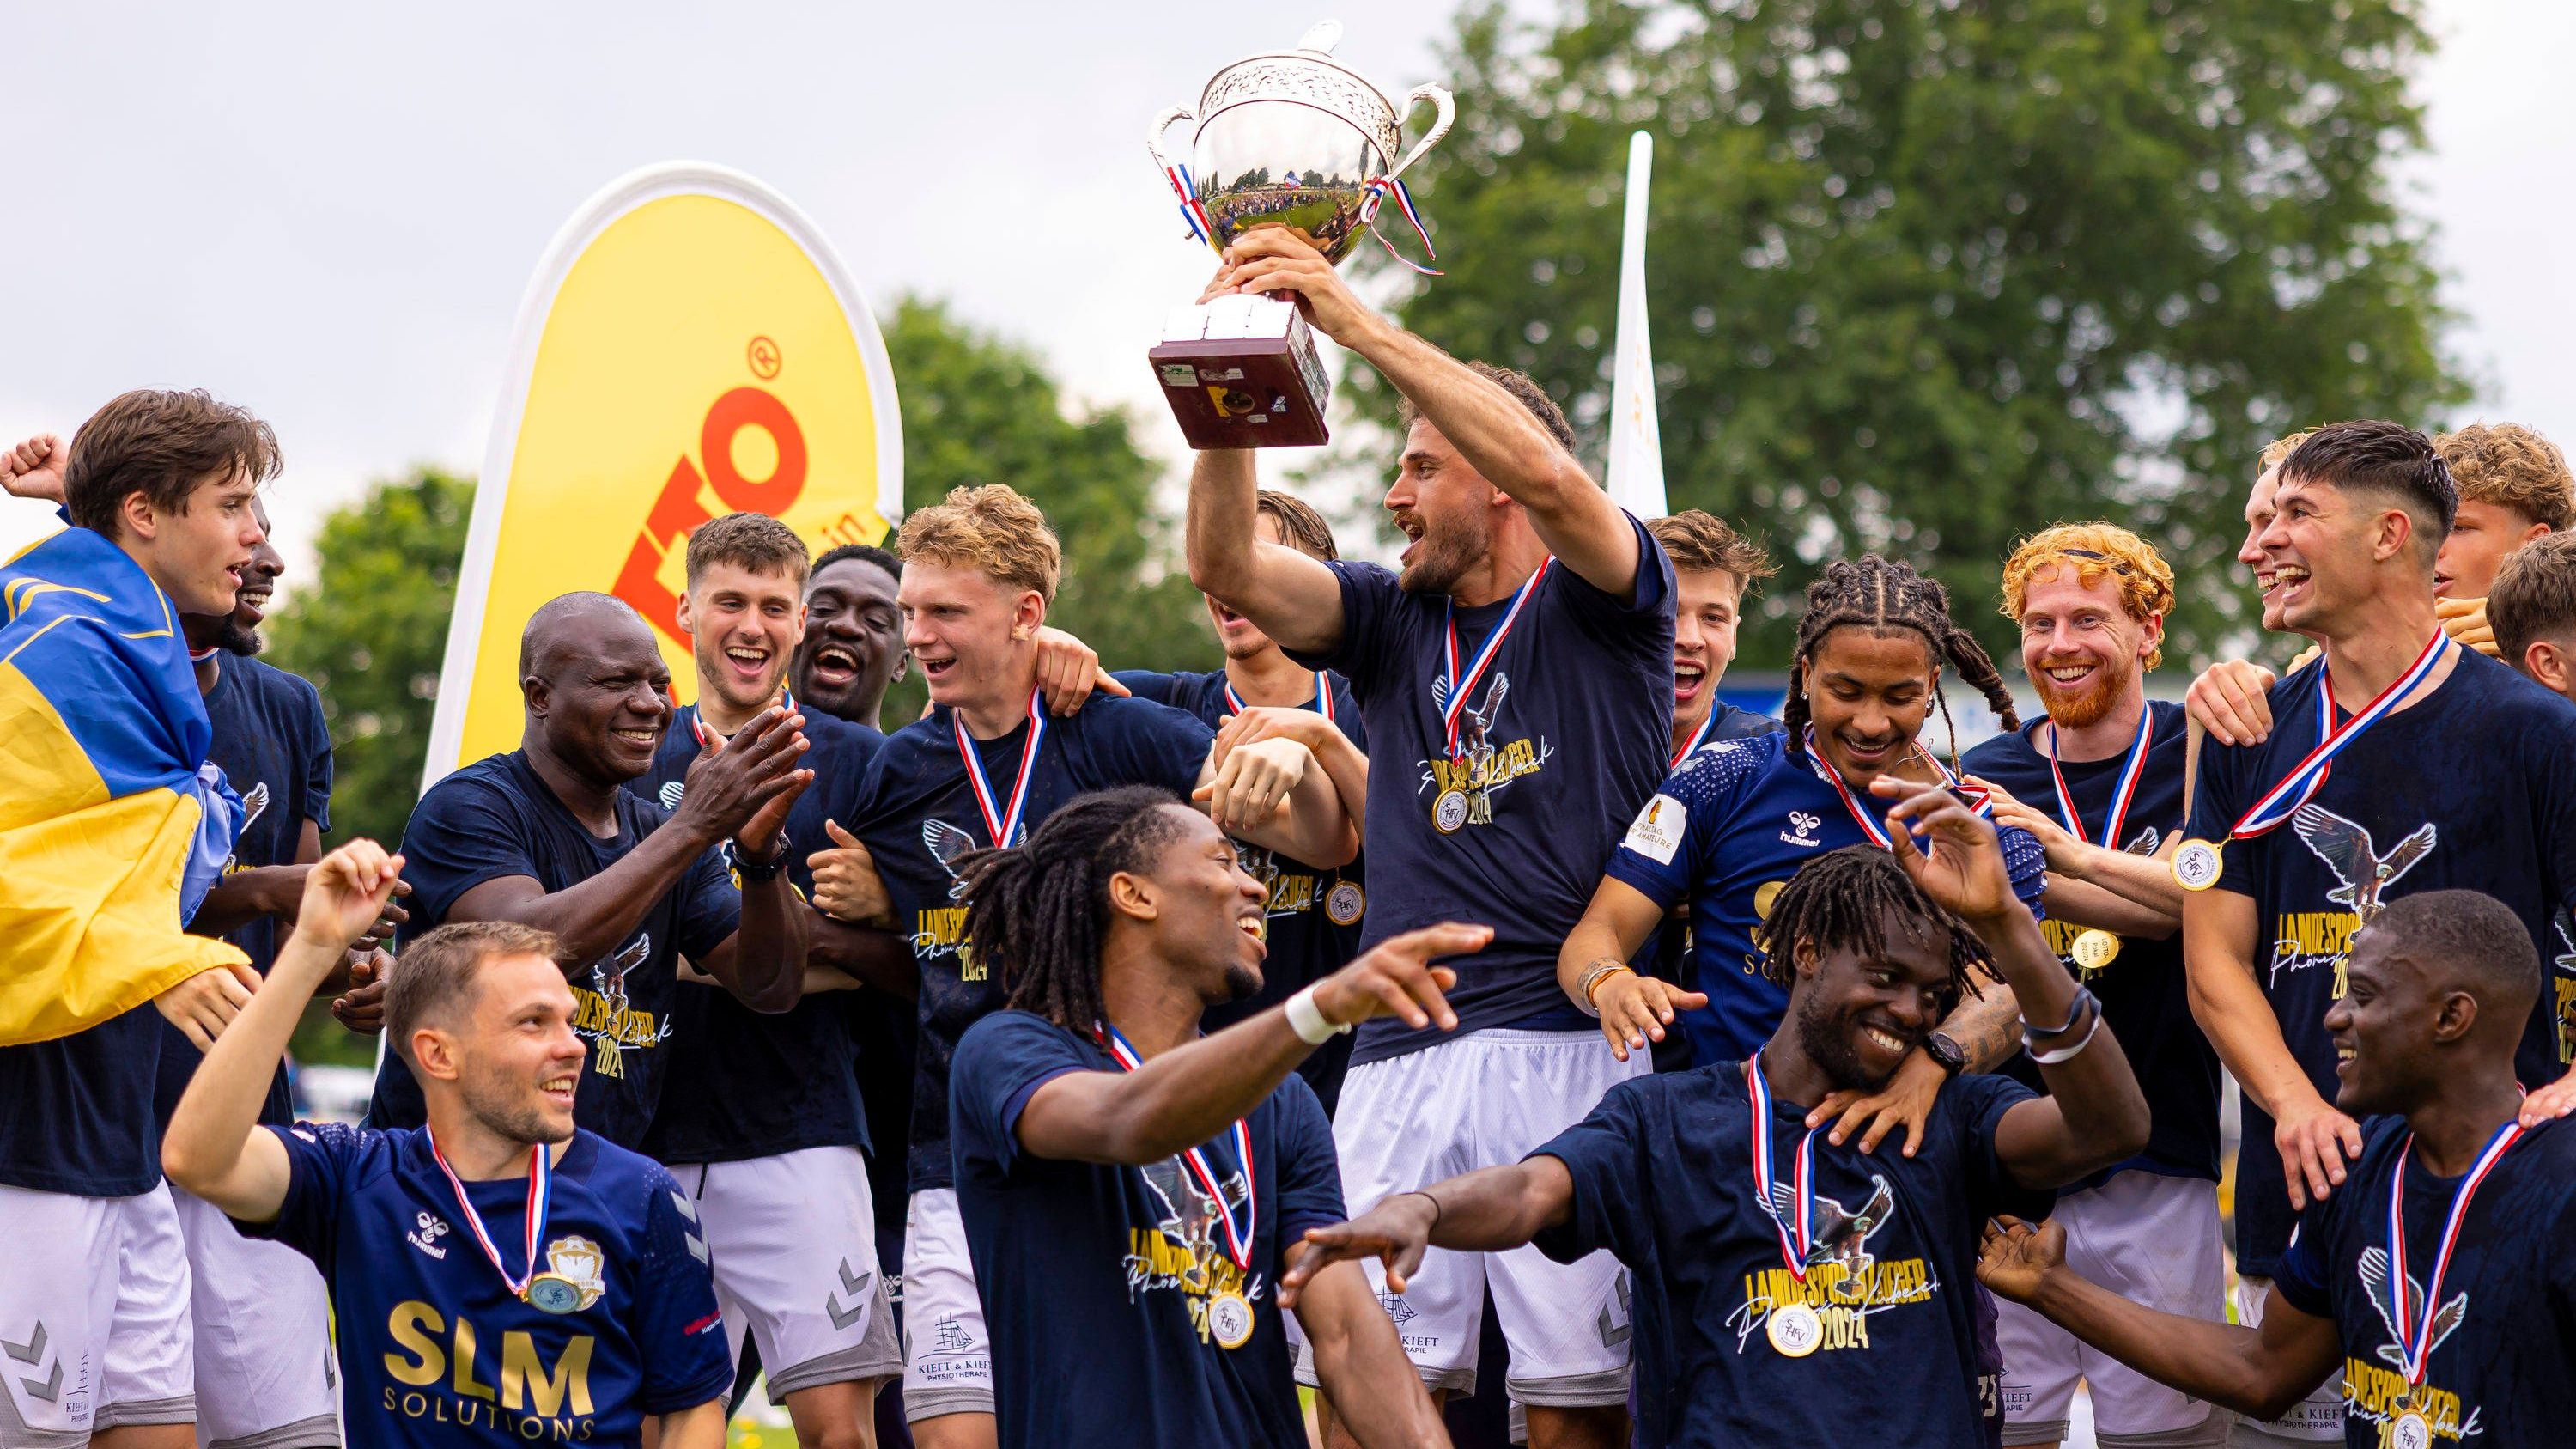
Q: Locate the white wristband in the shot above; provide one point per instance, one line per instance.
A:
(1307, 1020)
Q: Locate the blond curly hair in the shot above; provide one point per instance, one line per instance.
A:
(991, 529)
(2511, 466)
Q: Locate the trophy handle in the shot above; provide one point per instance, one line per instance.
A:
(1447, 112)
(1163, 123)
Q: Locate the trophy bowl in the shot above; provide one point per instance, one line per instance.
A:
(1292, 139)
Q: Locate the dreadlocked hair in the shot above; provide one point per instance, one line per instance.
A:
(1877, 593)
(1036, 913)
(1849, 899)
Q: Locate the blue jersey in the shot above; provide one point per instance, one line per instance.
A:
(1316, 913)
(2502, 1370)
(744, 1083)
(2144, 996)
(1725, 832)
(497, 818)
(1559, 739)
(2473, 786)
(1098, 1280)
(275, 750)
(917, 816)
(1663, 1179)
(434, 1348)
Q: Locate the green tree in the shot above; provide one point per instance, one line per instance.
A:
(370, 630)
(979, 409)
(1929, 275)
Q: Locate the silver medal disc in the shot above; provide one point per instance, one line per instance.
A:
(1449, 811)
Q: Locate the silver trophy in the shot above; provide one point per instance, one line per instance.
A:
(1293, 139)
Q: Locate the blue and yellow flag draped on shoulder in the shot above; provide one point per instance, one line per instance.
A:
(111, 823)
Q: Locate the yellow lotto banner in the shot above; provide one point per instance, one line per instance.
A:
(689, 347)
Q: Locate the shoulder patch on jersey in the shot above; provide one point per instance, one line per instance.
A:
(1657, 832)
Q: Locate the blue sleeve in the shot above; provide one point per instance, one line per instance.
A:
(1000, 1063)
(317, 762)
(1613, 619)
(1663, 851)
(461, 835)
(1309, 1174)
(1981, 1100)
(1154, 744)
(1369, 598)
(678, 1330)
(2216, 804)
(1606, 1154)
(319, 1157)
(710, 905)
(2300, 1271)
(1151, 684)
(2026, 860)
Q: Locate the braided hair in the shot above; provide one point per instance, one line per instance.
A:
(1850, 899)
(1036, 914)
(1879, 593)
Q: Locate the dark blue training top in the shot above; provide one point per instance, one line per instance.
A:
(744, 1083)
(917, 814)
(1097, 1280)
(434, 1348)
(2472, 787)
(1563, 736)
(2144, 995)
(497, 818)
(1663, 1179)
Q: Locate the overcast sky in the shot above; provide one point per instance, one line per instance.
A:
(329, 212)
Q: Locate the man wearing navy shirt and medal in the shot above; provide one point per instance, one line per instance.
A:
(1516, 679)
(1791, 1290)
(2099, 782)
(2399, 762)
(2431, 1294)
(497, 1276)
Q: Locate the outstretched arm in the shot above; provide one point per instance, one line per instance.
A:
(1189, 1094)
(2259, 1372)
(1294, 598)
(1492, 1210)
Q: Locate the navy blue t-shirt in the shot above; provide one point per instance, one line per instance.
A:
(743, 1083)
(2144, 995)
(275, 750)
(434, 1348)
(78, 1116)
(1563, 737)
(1663, 1179)
(498, 818)
(917, 814)
(1096, 1280)
(1725, 832)
(2502, 1373)
(1315, 913)
(2473, 787)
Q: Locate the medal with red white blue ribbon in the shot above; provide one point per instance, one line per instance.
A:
(708, 738)
(1002, 824)
(1453, 704)
(1793, 1328)
(1323, 704)
(1977, 800)
(541, 1179)
(1698, 737)
(2130, 773)
(2284, 799)
(2415, 1321)
(1239, 1227)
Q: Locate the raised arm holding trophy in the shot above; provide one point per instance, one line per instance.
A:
(1293, 139)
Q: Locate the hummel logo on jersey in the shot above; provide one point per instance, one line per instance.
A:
(672, 790)
(425, 1236)
(1805, 826)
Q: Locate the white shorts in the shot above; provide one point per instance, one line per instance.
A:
(2316, 1419)
(792, 1240)
(1488, 1099)
(2154, 1241)
(947, 1352)
(262, 1319)
(93, 1317)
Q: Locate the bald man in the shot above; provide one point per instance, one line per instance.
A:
(544, 836)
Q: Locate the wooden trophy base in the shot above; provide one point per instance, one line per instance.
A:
(1242, 372)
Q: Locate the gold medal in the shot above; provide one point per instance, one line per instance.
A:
(1795, 1331)
(1449, 811)
(2196, 865)
(553, 1293)
(1345, 903)
(1229, 1319)
(2093, 950)
(2411, 1431)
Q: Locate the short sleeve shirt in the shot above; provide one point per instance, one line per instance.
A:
(1099, 1280)
(2473, 787)
(436, 1351)
(1663, 1179)
(497, 818)
(1559, 741)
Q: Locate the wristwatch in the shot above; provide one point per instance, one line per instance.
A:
(1949, 1055)
(760, 871)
